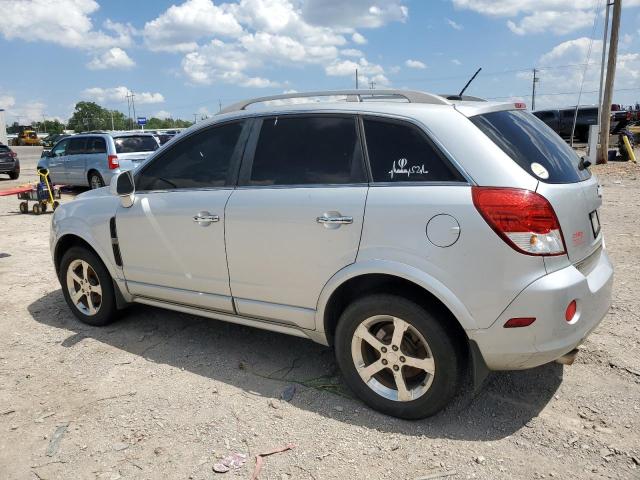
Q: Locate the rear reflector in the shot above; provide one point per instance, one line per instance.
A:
(519, 322)
(571, 311)
(525, 220)
(113, 161)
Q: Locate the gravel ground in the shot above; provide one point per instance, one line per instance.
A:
(166, 395)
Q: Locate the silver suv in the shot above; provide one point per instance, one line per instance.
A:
(93, 159)
(419, 236)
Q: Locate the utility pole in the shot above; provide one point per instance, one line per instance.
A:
(111, 112)
(533, 90)
(605, 111)
(128, 109)
(372, 85)
(604, 54)
(356, 79)
(195, 118)
(219, 105)
(133, 104)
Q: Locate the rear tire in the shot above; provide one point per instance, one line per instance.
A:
(95, 180)
(14, 175)
(36, 209)
(87, 287)
(24, 207)
(409, 380)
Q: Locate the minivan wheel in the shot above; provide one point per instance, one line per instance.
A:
(87, 287)
(95, 180)
(397, 357)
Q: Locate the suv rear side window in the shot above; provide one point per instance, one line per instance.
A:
(76, 146)
(199, 161)
(307, 150)
(142, 143)
(96, 145)
(399, 152)
(531, 144)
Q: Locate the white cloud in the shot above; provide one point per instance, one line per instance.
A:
(179, 27)
(118, 94)
(454, 25)
(455, 61)
(354, 13)
(358, 38)
(351, 52)
(7, 101)
(415, 64)
(162, 115)
(568, 79)
(367, 72)
(63, 22)
(113, 58)
(538, 16)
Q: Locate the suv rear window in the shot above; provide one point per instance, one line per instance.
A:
(532, 145)
(133, 144)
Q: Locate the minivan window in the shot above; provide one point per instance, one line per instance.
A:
(60, 148)
(299, 150)
(76, 146)
(140, 143)
(531, 144)
(201, 160)
(400, 152)
(96, 145)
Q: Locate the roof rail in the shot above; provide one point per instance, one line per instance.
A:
(411, 96)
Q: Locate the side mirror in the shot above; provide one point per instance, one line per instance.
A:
(122, 185)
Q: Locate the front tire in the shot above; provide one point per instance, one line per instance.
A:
(87, 287)
(397, 357)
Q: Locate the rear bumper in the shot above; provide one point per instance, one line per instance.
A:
(550, 336)
(7, 167)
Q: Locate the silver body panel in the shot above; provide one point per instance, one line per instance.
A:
(268, 262)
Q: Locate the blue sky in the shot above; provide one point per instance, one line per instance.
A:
(184, 57)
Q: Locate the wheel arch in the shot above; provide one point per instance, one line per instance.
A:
(389, 277)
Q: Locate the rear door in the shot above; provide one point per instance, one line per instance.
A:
(572, 191)
(75, 161)
(296, 217)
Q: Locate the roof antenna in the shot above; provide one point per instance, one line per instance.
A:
(459, 96)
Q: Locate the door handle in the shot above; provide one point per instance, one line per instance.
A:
(205, 218)
(334, 220)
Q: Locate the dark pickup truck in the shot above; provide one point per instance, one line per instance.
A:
(561, 120)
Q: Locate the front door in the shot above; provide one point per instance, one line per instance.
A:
(172, 238)
(296, 218)
(56, 162)
(75, 161)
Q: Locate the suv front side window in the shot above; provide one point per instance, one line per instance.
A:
(201, 160)
(76, 146)
(401, 152)
(305, 150)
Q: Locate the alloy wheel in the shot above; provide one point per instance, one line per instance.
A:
(393, 358)
(84, 287)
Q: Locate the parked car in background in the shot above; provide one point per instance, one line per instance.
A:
(561, 120)
(91, 159)
(473, 255)
(27, 138)
(9, 162)
(51, 139)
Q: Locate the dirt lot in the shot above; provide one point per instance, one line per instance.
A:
(166, 395)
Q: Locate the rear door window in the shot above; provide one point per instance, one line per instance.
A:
(401, 152)
(304, 150)
(532, 145)
(132, 144)
(76, 146)
(96, 145)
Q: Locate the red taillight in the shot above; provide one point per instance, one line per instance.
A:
(520, 105)
(113, 161)
(13, 154)
(571, 311)
(523, 219)
(519, 322)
